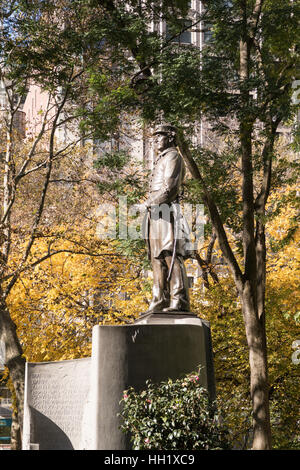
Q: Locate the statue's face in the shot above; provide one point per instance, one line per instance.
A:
(162, 142)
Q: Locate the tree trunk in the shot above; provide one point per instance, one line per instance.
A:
(259, 389)
(253, 293)
(15, 434)
(14, 360)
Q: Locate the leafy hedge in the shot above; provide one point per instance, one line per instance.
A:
(172, 415)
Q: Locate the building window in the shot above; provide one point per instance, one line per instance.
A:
(185, 37)
(208, 34)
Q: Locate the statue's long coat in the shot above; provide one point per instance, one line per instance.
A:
(162, 229)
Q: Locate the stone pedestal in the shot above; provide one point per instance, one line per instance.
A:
(74, 404)
(156, 347)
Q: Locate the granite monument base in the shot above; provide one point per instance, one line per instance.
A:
(75, 404)
(55, 408)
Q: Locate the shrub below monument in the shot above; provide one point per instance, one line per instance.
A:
(172, 415)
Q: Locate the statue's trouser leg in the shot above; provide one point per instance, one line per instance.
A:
(179, 287)
(160, 292)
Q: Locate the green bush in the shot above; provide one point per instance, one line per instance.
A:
(172, 415)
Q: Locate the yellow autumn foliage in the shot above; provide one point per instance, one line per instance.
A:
(56, 304)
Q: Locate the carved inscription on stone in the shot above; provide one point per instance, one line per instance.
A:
(57, 396)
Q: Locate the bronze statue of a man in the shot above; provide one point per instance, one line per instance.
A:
(166, 243)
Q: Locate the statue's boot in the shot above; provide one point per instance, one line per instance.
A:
(156, 306)
(160, 292)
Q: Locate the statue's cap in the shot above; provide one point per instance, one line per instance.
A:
(165, 129)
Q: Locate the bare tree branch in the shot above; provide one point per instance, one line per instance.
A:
(21, 270)
(43, 195)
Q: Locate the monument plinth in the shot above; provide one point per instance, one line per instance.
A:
(75, 404)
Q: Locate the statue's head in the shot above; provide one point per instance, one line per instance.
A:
(165, 136)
